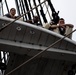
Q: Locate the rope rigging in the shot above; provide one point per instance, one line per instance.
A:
(42, 13)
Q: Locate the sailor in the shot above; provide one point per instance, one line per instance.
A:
(11, 14)
(34, 21)
(62, 27)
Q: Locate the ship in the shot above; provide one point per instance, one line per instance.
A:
(29, 49)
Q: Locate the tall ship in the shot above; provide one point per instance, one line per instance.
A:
(28, 48)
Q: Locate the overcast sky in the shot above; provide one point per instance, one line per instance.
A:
(67, 11)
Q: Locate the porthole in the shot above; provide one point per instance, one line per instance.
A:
(18, 28)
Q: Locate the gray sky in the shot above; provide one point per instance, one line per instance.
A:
(67, 11)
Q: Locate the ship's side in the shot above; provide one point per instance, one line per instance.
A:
(23, 41)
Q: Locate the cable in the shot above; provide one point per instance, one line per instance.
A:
(39, 53)
(7, 6)
(6, 25)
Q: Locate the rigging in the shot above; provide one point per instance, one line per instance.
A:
(54, 13)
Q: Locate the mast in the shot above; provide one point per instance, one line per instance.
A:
(42, 13)
(27, 8)
(54, 13)
(20, 8)
(31, 7)
(37, 11)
